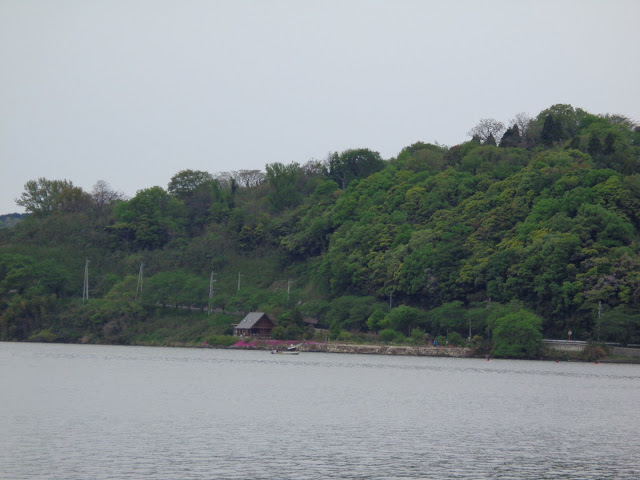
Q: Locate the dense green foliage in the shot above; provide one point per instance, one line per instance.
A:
(544, 215)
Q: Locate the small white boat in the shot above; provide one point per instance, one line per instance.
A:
(291, 350)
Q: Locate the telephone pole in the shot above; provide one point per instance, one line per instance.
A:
(239, 276)
(212, 280)
(85, 286)
(599, 315)
(139, 286)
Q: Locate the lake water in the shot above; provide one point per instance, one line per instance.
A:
(109, 412)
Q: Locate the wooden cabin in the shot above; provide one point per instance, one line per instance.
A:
(255, 324)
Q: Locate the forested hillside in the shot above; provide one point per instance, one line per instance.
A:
(528, 230)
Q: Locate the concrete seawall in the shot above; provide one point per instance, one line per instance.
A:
(565, 345)
(626, 352)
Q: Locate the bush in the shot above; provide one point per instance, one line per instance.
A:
(44, 336)
(480, 345)
(417, 336)
(594, 351)
(320, 336)
(454, 338)
(388, 335)
(344, 336)
(442, 341)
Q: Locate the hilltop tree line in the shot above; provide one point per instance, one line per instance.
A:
(531, 226)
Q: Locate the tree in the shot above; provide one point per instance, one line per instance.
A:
(104, 197)
(517, 335)
(568, 120)
(511, 137)
(594, 147)
(186, 182)
(551, 131)
(447, 317)
(150, 219)
(404, 319)
(353, 164)
(609, 144)
(422, 156)
(487, 127)
(525, 124)
(283, 180)
(42, 197)
(249, 178)
(290, 326)
(491, 141)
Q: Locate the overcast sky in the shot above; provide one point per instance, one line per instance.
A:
(132, 92)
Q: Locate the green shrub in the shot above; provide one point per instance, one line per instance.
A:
(455, 339)
(417, 336)
(44, 336)
(388, 335)
(344, 337)
(320, 336)
(442, 340)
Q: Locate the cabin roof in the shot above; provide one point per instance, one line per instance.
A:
(251, 319)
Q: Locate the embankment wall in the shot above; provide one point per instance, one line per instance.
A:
(626, 352)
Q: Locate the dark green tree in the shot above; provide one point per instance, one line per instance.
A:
(594, 147)
(150, 219)
(490, 141)
(609, 144)
(511, 137)
(353, 164)
(186, 182)
(551, 131)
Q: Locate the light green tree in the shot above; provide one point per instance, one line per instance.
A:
(42, 197)
(517, 335)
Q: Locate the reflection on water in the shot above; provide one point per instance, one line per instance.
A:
(105, 412)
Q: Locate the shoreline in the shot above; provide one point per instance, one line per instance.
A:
(365, 349)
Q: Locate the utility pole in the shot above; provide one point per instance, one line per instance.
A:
(289, 282)
(599, 315)
(139, 286)
(390, 300)
(212, 280)
(239, 276)
(85, 286)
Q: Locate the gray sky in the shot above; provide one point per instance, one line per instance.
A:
(132, 92)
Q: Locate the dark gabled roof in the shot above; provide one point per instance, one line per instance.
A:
(251, 319)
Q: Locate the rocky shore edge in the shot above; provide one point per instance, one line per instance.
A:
(368, 349)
